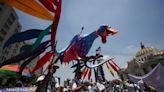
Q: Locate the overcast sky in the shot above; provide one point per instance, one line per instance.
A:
(137, 21)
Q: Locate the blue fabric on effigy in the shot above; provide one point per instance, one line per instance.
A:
(22, 36)
(30, 59)
(25, 55)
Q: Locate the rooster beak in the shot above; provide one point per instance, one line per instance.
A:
(111, 31)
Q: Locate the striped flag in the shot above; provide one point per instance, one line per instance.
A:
(116, 65)
(110, 69)
(89, 75)
(85, 73)
(113, 66)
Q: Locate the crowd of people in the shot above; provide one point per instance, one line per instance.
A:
(78, 85)
(50, 83)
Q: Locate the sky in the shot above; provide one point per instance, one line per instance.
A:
(136, 20)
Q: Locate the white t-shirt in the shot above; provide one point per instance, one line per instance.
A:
(100, 86)
(56, 81)
(90, 89)
(74, 86)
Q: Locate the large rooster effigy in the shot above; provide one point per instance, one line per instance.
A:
(81, 44)
(78, 48)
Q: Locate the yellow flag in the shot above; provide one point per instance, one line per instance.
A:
(110, 69)
(31, 7)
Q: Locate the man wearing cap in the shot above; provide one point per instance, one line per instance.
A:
(48, 82)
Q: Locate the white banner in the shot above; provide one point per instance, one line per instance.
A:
(18, 89)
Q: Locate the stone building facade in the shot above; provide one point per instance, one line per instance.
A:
(145, 60)
(9, 25)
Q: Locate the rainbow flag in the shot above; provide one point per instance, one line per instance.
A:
(14, 69)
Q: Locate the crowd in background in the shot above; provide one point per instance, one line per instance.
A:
(51, 83)
(77, 85)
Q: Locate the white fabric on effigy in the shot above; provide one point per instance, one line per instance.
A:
(154, 78)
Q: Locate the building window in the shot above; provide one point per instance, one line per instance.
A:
(6, 27)
(1, 39)
(142, 59)
(9, 46)
(12, 17)
(14, 50)
(3, 32)
(3, 58)
(145, 58)
(139, 59)
(12, 55)
(19, 26)
(16, 30)
(9, 21)
(17, 45)
(6, 52)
